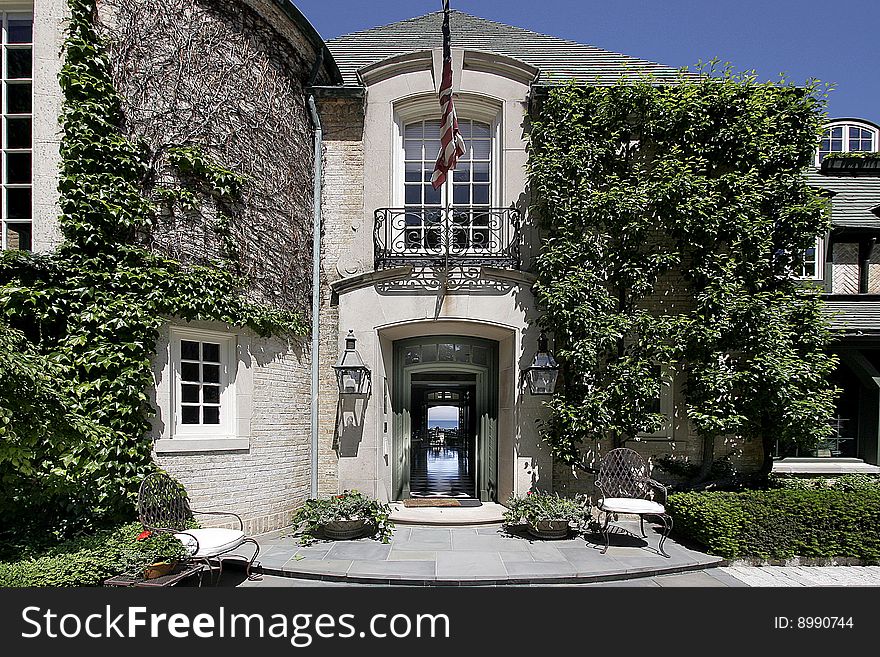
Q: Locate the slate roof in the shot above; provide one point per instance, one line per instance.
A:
(854, 199)
(558, 59)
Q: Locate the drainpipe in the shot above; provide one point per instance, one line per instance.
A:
(316, 288)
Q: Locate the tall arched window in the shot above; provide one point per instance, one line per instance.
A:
(847, 137)
(458, 212)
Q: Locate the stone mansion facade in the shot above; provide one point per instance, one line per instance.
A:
(433, 285)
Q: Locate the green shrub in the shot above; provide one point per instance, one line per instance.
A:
(311, 517)
(847, 482)
(782, 523)
(89, 560)
(536, 506)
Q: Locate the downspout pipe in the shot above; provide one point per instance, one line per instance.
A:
(316, 287)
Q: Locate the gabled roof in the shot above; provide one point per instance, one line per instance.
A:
(558, 59)
(855, 199)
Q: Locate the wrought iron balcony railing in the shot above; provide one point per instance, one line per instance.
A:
(447, 237)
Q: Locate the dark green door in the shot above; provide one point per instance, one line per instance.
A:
(426, 367)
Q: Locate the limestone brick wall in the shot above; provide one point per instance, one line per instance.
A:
(342, 210)
(270, 478)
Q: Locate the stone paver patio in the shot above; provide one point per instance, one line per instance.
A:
(488, 555)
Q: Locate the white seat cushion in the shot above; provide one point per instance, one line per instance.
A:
(212, 541)
(630, 505)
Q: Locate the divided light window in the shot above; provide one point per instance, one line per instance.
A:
(847, 138)
(201, 369)
(467, 192)
(16, 199)
(810, 265)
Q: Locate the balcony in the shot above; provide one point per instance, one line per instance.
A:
(467, 236)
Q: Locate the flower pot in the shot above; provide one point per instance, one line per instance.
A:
(346, 530)
(159, 569)
(549, 529)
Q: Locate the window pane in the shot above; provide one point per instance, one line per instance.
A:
(19, 63)
(480, 150)
(432, 132)
(18, 168)
(189, 414)
(212, 414)
(413, 131)
(18, 237)
(19, 31)
(432, 196)
(189, 350)
(414, 172)
(189, 371)
(481, 171)
(413, 355)
(18, 203)
(447, 352)
(482, 130)
(413, 150)
(429, 353)
(461, 195)
(211, 394)
(480, 356)
(412, 195)
(211, 352)
(211, 373)
(18, 98)
(189, 394)
(18, 133)
(481, 194)
(837, 133)
(464, 127)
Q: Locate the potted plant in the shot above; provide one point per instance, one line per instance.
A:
(155, 554)
(547, 516)
(342, 517)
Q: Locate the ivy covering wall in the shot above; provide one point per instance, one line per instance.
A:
(79, 326)
(673, 219)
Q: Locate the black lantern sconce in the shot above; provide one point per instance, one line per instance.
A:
(352, 375)
(542, 375)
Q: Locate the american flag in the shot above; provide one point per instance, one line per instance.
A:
(451, 141)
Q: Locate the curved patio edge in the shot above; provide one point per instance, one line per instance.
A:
(478, 556)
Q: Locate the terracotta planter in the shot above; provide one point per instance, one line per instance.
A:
(346, 530)
(550, 529)
(159, 569)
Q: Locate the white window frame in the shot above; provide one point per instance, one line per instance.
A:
(204, 437)
(819, 260)
(846, 124)
(15, 12)
(467, 107)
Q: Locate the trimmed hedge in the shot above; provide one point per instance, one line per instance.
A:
(82, 561)
(781, 524)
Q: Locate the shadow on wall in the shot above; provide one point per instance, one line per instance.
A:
(350, 413)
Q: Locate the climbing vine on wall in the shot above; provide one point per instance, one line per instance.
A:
(85, 319)
(673, 216)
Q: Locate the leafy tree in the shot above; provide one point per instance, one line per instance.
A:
(672, 218)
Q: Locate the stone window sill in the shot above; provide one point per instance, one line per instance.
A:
(180, 445)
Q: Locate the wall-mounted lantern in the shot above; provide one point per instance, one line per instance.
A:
(352, 375)
(543, 373)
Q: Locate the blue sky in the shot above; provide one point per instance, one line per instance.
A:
(836, 42)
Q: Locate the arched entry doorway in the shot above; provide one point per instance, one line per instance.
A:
(445, 430)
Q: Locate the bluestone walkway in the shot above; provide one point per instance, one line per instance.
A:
(486, 555)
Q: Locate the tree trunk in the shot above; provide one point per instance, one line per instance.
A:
(708, 460)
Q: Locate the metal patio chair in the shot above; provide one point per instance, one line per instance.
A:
(163, 506)
(626, 488)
